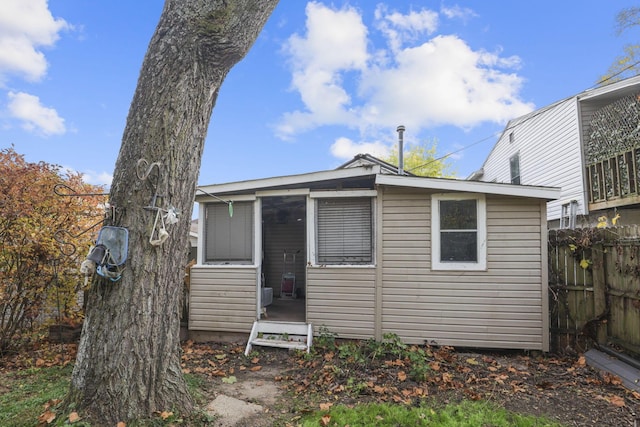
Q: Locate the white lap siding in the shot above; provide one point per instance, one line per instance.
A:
(222, 299)
(502, 307)
(341, 299)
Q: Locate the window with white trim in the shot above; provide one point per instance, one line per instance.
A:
(458, 232)
(344, 231)
(569, 215)
(229, 238)
(514, 168)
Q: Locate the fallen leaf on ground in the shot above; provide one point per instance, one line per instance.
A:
(612, 379)
(617, 401)
(230, 380)
(165, 414)
(379, 389)
(52, 402)
(47, 417)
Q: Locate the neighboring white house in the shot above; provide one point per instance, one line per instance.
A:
(444, 261)
(588, 145)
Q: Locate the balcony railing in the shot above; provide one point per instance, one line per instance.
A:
(614, 181)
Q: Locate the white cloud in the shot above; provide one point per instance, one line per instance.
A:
(92, 177)
(463, 13)
(443, 82)
(320, 61)
(420, 79)
(34, 116)
(345, 148)
(97, 178)
(25, 27)
(400, 29)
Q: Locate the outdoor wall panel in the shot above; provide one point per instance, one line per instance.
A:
(498, 308)
(341, 299)
(548, 143)
(222, 299)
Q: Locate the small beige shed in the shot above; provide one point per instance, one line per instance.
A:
(443, 261)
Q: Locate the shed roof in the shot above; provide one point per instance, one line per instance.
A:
(367, 176)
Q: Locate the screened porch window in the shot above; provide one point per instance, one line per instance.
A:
(229, 239)
(344, 231)
(458, 232)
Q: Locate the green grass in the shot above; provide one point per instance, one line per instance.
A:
(28, 392)
(465, 414)
(24, 393)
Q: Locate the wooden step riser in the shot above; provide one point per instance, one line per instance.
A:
(292, 335)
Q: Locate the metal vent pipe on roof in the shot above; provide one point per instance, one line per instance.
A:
(400, 131)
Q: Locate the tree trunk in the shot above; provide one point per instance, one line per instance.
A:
(128, 363)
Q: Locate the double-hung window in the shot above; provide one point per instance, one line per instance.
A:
(229, 237)
(458, 232)
(344, 231)
(569, 215)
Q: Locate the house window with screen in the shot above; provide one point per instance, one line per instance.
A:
(458, 232)
(514, 166)
(569, 215)
(229, 238)
(344, 231)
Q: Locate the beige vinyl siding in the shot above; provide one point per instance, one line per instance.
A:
(342, 300)
(548, 142)
(222, 299)
(498, 308)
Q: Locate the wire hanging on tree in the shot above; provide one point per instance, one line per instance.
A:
(164, 216)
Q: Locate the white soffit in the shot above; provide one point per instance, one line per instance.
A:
(442, 184)
(259, 184)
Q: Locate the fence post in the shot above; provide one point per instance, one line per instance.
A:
(599, 291)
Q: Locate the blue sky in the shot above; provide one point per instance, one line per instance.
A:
(324, 81)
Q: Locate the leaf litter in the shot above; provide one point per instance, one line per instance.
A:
(562, 388)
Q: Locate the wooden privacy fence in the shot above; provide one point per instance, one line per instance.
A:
(594, 288)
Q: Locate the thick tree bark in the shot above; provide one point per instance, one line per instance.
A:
(128, 363)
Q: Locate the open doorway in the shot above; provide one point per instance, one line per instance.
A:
(284, 256)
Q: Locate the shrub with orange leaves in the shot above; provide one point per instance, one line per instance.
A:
(39, 279)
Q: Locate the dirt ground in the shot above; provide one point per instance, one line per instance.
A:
(287, 385)
(276, 387)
